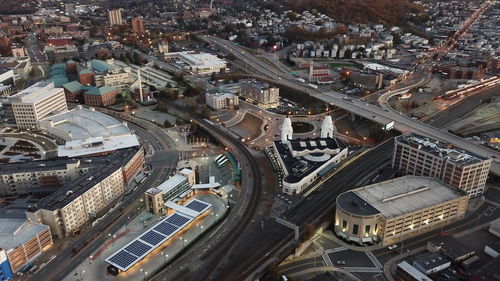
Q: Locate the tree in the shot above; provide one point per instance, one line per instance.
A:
(206, 112)
(213, 76)
(167, 124)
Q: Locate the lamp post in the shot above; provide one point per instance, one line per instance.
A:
(82, 273)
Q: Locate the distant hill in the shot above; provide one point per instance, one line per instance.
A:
(359, 11)
(15, 7)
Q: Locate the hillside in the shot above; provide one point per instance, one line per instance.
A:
(359, 11)
(7, 7)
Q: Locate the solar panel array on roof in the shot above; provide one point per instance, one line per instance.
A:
(123, 259)
(166, 228)
(177, 219)
(197, 205)
(152, 237)
(140, 247)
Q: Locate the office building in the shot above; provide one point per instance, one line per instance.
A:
(218, 101)
(365, 80)
(34, 103)
(175, 189)
(115, 17)
(421, 156)
(102, 96)
(390, 211)
(261, 93)
(75, 205)
(22, 241)
(305, 161)
(138, 25)
(61, 53)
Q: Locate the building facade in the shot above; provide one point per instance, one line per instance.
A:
(115, 17)
(71, 207)
(138, 25)
(22, 241)
(218, 101)
(36, 102)
(102, 96)
(421, 156)
(262, 93)
(390, 211)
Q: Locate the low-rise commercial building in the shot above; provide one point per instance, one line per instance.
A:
(174, 189)
(34, 103)
(202, 63)
(429, 263)
(320, 74)
(418, 155)
(406, 272)
(390, 211)
(22, 241)
(261, 93)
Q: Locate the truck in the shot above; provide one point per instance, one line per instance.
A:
(312, 86)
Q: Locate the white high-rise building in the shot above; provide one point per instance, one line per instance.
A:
(34, 103)
(115, 17)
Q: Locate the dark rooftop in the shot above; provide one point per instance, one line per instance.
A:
(431, 260)
(299, 167)
(452, 247)
(453, 154)
(99, 171)
(352, 203)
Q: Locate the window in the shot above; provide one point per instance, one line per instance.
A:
(344, 224)
(367, 229)
(355, 229)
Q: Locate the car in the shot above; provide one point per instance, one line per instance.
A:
(443, 234)
(392, 247)
(340, 262)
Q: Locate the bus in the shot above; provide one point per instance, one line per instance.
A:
(222, 163)
(218, 158)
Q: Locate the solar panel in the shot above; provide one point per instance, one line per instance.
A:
(152, 237)
(166, 228)
(177, 220)
(123, 259)
(138, 248)
(197, 205)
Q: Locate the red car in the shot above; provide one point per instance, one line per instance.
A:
(443, 234)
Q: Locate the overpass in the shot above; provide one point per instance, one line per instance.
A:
(366, 110)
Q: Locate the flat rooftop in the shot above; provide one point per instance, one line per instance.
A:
(101, 169)
(454, 154)
(172, 182)
(299, 167)
(16, 232)
(36, 92)
(398, 196)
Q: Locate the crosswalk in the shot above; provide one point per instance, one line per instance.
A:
(363, 269)
(327, 259)
(338, 249)
(374, 260)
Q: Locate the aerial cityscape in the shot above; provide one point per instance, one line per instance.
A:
(272, 140)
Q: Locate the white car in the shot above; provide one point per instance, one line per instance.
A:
(392, 247)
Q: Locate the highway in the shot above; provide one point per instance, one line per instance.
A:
(366, 110)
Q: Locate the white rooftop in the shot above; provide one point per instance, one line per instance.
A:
(201, 59)
(172, 182)
(406, 194)
(87, 131)
(36, 92)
